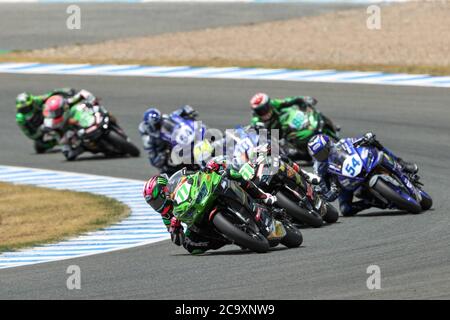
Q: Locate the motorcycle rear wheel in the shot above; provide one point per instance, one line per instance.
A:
(122, 144)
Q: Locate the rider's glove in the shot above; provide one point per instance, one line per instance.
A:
(87, 96)
(369, 137)
(310, 177)
(310, 101)
(176, 231)
(187, 110)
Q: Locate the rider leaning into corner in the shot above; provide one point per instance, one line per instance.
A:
(159, 197)
(29, 117)
(321, 147)
(157, 148)
(267, 111)
(65, 113)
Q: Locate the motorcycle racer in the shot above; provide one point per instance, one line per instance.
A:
(158, 195)
(295, 117)
(321, 147)
(29, 117)
(159, 149)
(266, 110)
(64, 116)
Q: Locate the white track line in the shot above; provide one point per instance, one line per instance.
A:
(328, 76)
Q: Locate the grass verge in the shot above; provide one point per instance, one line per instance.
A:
(412, 37)
(32, 215)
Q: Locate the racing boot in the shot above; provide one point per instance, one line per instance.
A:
(354, 208)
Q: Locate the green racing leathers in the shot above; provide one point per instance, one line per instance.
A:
(30, 119)
(297, 120)
(303, 102)
(196, 240)
(81, 117)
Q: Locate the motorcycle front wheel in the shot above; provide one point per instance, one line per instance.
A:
(332, 215)
(298, 213)
(391, 195)
(293, 238)
(241, 235)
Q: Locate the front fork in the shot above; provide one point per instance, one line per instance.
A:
(389, 162)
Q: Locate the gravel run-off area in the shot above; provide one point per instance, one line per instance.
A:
(414, 37)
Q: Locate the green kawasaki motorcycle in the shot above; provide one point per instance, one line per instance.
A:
(223, 211)
(298, 127)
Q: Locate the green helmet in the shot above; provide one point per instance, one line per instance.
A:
(24, 103)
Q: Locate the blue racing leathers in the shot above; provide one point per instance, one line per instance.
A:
(159, 149)
(331, 190)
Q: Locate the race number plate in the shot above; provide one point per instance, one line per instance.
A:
(352, 166)
(183, 193)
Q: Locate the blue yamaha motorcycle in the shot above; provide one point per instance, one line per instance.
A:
(374, 175)
(181, 133)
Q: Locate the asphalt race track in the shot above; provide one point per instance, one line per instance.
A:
(411, 250)
(37, 25)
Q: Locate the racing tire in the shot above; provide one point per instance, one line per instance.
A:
(298, 213)
(39, 147)
(293, 237)
(332, 215)
(386, 191)
(427, 201)
(122, 144)
(255, 242)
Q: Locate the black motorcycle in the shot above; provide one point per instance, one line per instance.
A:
(97, 132)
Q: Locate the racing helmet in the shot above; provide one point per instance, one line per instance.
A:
(156, 194)
(260, 104)
(152, 118)
(203, 151)
(56, 112)
(216, 164)
(24, 103)
(319, 147)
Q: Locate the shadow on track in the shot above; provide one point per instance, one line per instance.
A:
(390, 213)
(233, 252)
(97, 157)
(51, 151)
